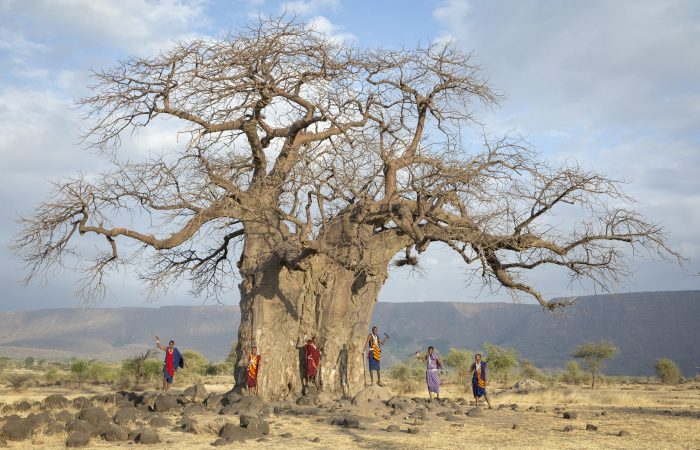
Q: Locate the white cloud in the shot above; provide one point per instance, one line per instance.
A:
(134, 26)
(335, 32)
(309, 7)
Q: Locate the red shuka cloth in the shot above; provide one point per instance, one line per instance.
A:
(313, 356)
(169, 363)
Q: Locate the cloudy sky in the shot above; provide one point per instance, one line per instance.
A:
(613, 85)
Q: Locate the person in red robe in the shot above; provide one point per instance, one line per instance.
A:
(313, 358)
(173, 361)
(254, 361)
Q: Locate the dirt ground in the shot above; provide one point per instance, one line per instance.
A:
(655, 416)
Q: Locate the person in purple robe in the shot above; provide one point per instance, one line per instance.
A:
(432, 371)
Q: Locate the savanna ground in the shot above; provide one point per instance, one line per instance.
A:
(654, 415)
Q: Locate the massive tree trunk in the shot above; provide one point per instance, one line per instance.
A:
(289, 295)
(280, 306)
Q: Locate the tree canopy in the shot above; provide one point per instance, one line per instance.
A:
(293, 144)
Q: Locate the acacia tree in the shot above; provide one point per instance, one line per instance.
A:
(307, 168)
(594, 355)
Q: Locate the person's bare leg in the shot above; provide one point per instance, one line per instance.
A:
(371, 377)
(486, 397)
(163, 384)
(379, 378)
(477, 401)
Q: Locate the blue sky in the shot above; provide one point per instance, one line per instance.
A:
(610, 84)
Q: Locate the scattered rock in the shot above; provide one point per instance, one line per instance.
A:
(418, 414)
(568, 428)
(165, 403)
(159, 422)
(214, 400)
(514, 406)
(255, 425)
(233, 433)
(56, 401)
(83, 427)
(392, 428)
(413, 430)
(194, 409)
(452, 418)
(145, 436)
(63, 417)
(570, 415)
(188, 425)
(38, 420)
(17, 429)
(623, 433)
(115, 433)
(94, 415)
(286, 435)
(316, 440)
(515, 426)
(591, 427)
(417, 422)
(540, 409)
(196, 393)
(126, 414)
(22, 406)
(81, 402)
(347, 422)
(475, 412)
(527, 386)
(372, 393)
(77, 439)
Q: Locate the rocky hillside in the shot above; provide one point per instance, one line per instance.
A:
(645, 326)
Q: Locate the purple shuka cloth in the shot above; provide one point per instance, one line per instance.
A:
(432, 374)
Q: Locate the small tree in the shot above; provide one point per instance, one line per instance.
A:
(79, 369)
(572, 373)
(501, 360)
(529, 370)
(458, 359)
(135, 366)
(28, 362)
(667, 371)
(195, 362)
(593, 356)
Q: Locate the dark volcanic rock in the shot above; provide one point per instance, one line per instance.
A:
(623, 433)
(81, 402)
(63, 416)
(115, 433)
(196, 393)
(17, 429)
(570, 415)
(392, 428)
(94, 415)
(56, 401)
(188, 425)
(77, 439)
(165, 402)
(147, 437)
(591, 427)
(255, 425)
(233, 433)
(194, 409)
(413, 430)
(475, 412)
(22, 406)
(159, 422)
(126, 414)
(568, 428)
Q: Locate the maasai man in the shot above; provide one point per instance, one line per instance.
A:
(313, 358)
(254, 361)
(374, 354)
(173, 361)
(479, 379)
(432, 371)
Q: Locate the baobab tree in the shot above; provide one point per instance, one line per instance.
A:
(309, 167)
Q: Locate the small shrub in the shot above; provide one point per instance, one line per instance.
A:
(667, 371)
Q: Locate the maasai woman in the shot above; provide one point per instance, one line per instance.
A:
(432, 371)
(313, 358)
(254, 361)
(173, 360)
(374, 354)
(479, 379)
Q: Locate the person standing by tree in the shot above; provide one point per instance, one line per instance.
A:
(254, 361)
(173, 361)
(313, 358)
(374, 354)
(479, 379)
(432, 371)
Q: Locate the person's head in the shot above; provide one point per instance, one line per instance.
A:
(171, 344)
(477, 357)
(374, 329)
(430, 350)
(313, 339)
(255, 350)
(308, 341)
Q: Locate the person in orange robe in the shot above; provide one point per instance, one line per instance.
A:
(254, 361)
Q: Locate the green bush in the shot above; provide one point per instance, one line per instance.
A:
(402, 375)
(501, 361)
(594, 354)
(573, 374)
(29, 362)
(667, 371)
(458, 359)
(195, 363)
(79, 369)
(529, 370)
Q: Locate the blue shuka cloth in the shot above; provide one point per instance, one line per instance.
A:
(373, 363)
(178, 361)
(478, 390)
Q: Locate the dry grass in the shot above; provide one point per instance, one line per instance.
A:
(642, 410)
